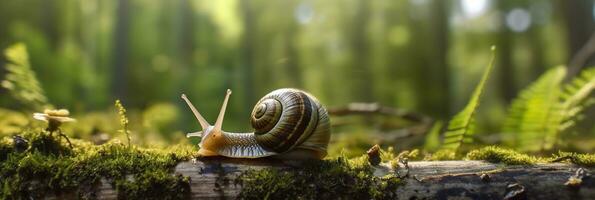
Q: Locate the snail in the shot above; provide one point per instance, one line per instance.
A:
(288, 123)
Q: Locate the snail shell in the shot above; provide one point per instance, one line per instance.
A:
(287, 123)
(288, 118)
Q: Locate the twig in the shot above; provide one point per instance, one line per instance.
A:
(362, 108)
(65, 137)
(581, 57)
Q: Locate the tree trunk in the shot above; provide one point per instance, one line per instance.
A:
(360, 74)
(440, 67)
(505, 52)
(120, 50)
(427, 180)
(577, 16)
(248, 53)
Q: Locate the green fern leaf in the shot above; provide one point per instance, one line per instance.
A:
(533, 115)
(547, 108)
(20, 79)
(432, 140)
(576, 96)
(460, 127)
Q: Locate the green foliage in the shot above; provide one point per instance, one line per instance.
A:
(442, 154)
(460, 127)
(432, 140)
(576, 97)
(12, 122)
(6, 147)
(161, 117)
(49, 166)
(328, 179)
(496, 154)
(123, 120)
(547, 108)
(46, 144)
(499, 155)
(530, 114)
(21, 80)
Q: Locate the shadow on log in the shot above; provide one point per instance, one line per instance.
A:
(216, 178)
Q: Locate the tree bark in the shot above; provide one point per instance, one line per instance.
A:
(214, 179)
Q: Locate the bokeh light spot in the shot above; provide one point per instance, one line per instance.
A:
(518, 20)
(304, 13)
(474, 8)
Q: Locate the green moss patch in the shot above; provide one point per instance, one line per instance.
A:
(49, 166)
(327, 179)
(442, 154)
(587, 160)
(499, 155)
(5, 148)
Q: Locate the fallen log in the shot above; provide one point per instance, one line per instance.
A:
(215, 178)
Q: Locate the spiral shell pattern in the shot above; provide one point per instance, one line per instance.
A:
(286, 118)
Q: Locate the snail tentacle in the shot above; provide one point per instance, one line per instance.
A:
(194, 134)
(219, 122)
(201, 120)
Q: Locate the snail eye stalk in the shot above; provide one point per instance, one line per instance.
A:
(194, 134)
(219, 121)
(203, 123)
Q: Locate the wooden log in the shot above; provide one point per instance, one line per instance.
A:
(215, 179)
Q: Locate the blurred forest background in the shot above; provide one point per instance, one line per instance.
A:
(421, 57)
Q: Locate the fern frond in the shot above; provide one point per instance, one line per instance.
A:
(534, 113)
(576, 96)
(21, 80)
(432, 140)
(460, 127)
(548, 107)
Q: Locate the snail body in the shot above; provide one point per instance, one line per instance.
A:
(288, 123)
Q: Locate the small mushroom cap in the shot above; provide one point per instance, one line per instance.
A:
(60, 115)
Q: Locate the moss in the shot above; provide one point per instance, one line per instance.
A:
(46, 143)
(496, 154)
(49, 166)
(5, 148)
(351, 144)
(443, 154)
(499, 155)
(337, 179)
(583, 159)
